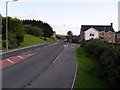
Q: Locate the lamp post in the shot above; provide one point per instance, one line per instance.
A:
(7, 22)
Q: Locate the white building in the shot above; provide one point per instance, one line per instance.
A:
(105, 32)
(91, 33)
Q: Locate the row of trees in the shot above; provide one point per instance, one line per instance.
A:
(38, 28)
(108, 56)
(18, 28)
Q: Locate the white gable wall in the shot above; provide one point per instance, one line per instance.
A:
(93, 32)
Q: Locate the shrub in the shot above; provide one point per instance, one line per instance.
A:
(108, 55)
(15, 31)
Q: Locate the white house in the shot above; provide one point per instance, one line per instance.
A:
(91, 33)
(105, 32)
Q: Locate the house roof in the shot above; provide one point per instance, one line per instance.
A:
(100, 28)
(117, 32)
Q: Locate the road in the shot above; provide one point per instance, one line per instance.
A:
(48, 66)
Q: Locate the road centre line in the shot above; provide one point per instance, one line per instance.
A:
(10, 60)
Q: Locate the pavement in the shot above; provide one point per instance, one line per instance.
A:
(21, 48)
(14, 52)
(48, 66)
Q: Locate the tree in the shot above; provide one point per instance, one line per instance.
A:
(70, 35)
(15, 31)
(48, 31)
(35, 31)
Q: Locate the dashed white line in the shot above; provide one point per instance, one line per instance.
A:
(20, 57)
(10, 60)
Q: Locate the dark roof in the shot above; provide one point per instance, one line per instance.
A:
(105, 28)
(117, 32)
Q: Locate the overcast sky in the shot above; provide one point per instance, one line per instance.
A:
(65, 15)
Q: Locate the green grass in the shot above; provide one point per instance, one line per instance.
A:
(31, 40)
(88, 72)
(49, 40)
(0, 46)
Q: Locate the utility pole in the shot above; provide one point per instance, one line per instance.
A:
(7, 25)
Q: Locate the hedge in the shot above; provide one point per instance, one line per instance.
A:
(108, 55)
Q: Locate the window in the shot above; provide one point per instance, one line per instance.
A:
(102, 33)
(109, 34)
(91, 34)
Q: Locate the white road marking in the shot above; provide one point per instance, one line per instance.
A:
(74, 76)
(65, 45)
(20, 57)
(57, 57)
(10, 60)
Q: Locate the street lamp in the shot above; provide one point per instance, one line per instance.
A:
(7, 22)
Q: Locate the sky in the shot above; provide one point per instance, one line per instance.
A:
(65, 15)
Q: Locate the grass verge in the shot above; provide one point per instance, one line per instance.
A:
(89, 73)
(31, 40)
(0, 46)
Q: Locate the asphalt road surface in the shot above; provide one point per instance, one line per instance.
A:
(52, 66)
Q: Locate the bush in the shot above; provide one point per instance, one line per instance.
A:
(108, 56)
(15, 31)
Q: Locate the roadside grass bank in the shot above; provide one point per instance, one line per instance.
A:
(0, 44)
(89, 73)
(31, 40)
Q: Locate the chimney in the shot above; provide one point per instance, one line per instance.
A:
(111, 24)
